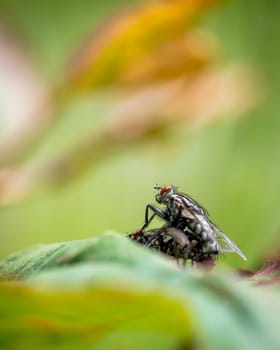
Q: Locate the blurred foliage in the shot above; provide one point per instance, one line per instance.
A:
(108, 293)
(142, 113)
(99, 101)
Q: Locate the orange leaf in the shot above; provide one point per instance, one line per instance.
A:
(141, 44)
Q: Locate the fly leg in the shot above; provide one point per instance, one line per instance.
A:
(156, 212)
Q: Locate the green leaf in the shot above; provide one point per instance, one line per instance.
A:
(108, 292)
(109, 247)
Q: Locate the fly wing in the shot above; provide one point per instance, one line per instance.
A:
(230, 246)
(193, 209)
(190, 203)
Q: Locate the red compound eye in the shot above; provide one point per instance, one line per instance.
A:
(165, 189)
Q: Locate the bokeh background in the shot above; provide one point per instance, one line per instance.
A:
(101, 100)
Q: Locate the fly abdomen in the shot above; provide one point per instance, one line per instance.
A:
(201, 230)
(197, 228)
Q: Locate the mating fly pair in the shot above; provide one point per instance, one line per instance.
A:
(188, 234)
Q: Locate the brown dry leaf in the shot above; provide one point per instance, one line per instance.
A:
(144, 44)
(201, 99)
(268, 273)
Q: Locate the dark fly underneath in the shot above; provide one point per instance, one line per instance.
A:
(174, 243)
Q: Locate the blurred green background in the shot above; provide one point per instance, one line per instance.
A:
(231, 166)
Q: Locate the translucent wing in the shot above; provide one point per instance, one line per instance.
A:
(194, 209)
(230, 246)
(219, 234)
(190, 203)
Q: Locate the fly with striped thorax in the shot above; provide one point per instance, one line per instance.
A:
(188, 233)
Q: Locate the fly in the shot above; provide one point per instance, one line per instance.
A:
(187, 222)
